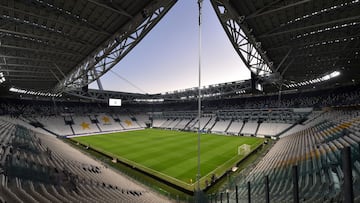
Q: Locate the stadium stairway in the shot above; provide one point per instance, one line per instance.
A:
(227, 128)
(173, 124)
(257, 128)
(207, 123)
(209, 129)
(181, 124)
(117, 120)
(192, 124)
(286, 130)
(235, 127)
(95, 121)
(220, 126)
(242, 127)
(188, 124)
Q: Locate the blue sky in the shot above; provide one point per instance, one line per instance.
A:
(167, 58)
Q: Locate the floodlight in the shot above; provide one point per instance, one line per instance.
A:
(334, 74)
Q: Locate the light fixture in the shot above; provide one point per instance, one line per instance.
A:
(2, 78)
(29, 92)
(316, 80)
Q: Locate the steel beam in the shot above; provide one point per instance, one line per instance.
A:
(7, 70)
(262, 9)
(287, 67)
(4, 24)
(45, 38)
(57, 78)
(283, 60)
(104, 95)
(115, 48)
(226, 89)
(40, 50)
(36, 57)
(322, 61)
(59, 69)
(43, 45)
(296, 43)
(27, 66)
(243, 41)
(64, 12)
(26, 58)
(272, 34)
(322, 52)
(53, 20)
(32, 79)
(266, 12)
(117, 10)
(99, 84)
(31, 74)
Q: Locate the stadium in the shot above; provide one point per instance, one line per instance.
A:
(290, 132)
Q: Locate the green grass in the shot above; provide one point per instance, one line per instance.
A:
(172, 155)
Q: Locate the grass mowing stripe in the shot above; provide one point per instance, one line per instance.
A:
(172, 153)
(167, 146)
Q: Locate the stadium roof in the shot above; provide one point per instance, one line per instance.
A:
(57, 44)
(298, 40)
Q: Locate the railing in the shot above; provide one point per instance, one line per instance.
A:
(337, 181)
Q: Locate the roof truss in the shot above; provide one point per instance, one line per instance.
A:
(114, 49)
(245, 44)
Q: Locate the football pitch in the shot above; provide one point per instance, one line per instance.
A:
(172, 155)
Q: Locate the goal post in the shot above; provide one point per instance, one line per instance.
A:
(244, 149)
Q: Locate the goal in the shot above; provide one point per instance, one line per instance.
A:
(244, 149)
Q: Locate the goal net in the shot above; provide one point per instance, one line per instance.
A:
(244, 149)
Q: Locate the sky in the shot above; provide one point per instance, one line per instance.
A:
(167, 59)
